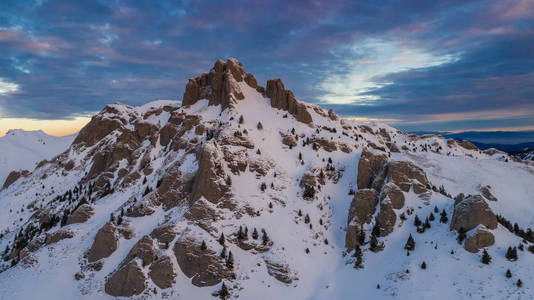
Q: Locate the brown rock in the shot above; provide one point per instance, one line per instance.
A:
(471, 212)
(332, 115)
(167, 133)
(405, 174)
(143, 249)
(251, 81)
(303, 115)
(175, 187)
(57, 236)
(327, 145)
(369, 167)
(164, 234)
(280, 271)
(289, 140)
(209, 180)
(384, 134)
(308, 179)
(105, 243)
(162, 273)
(236, 68)
(98, 128)
(386, 217)
(480, 238)
(486, 192)
(81, 214)
(394, 194)
(468, 145)
(127, 281)
(276, 90)
(285, 100)
(202, 266)
(14, 176)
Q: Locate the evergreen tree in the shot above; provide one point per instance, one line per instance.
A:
(373, 244)
(259, 126)
(410, 244)
(519, 283)
(431, 217)
(436, 209)
(508, 273)
(486, 258)
(427, 223)
(263, 187)
(307, 219)
(241, 119)
(203, 246)
(221, 239)
(511, 254)
(416, 221)
(255, 234)
(300, 213)
(461, 235)
(361, 237)
(376, 228)
(223, 252)
(358, 254)
(423, 265)
(230, 261)
(443, 219)
(240, 234)
(224, 293)
(265, 238)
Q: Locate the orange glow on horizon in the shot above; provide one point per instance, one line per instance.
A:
(50, 127)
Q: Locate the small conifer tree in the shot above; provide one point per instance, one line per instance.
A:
(486, 258)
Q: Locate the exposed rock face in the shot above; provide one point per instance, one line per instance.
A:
(405, 174)
(386, 217)
(201, 265)
(14, 176)
(468, 145)
(394, 193)
(285, 100)
(480, 238)
(143, 249)
(105, 243)
(127, 281)
(369, 167)
(175, 188)
(361, 211)
(209, 180)
(327, 145)
(58, 236)
(471, 212)
(162, 273)
(96, 129)
(219, 86)
(486, 192)
(81, 214)
(279, 271)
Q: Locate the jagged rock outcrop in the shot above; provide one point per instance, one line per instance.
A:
(105, 243)
(361, 211)
(98, 128)
(209, 181)
(405, 175)
(285, 100)
(175, 187)
(219, 86)
(386, 217)
(127, 281)
(280, 271)
(14, 176)
(468, 145)
(471, 212)
(162, 273)
(203, 266)
(478, 238)
(369, 167)
(143, 249)
(486, 192)
(57, 236)
(392, 192)
(289, 140)
(81, 214)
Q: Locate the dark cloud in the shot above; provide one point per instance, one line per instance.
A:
(73, 57)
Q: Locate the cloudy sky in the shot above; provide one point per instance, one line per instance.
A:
(419, 65)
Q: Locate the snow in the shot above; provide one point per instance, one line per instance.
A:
(327, 272)
(23, 150)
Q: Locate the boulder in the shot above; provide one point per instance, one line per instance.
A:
(289, 140)
(486, 192)
(327, 145)
(471, 212)
(162, 273)
(105, 243)
(57, 236)
(127, 281)
(81, 214)
(361, 211)
(405, 175)
(369, 167)
(280, 271)
(478, 238)
(468, 145)
(203, 266)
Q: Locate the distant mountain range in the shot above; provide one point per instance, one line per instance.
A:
(508, 141)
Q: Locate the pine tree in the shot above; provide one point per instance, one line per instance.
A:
(361, 237)
(255, 234)
(230, 261)
(373, 244)
(508, 273)
(427, 223)
(307, 219)
(519, 283)
(265, 238)
(410, 244)
(263, 187)
(416, 221)
(511, 254)
(221, 239)
(300, 213)
(443, 218)
(461, 235)
(223, 252)
(112, 218)
(431, 217)
(376, 228)
(259, 126)
(358, 254)
(486, 258)
(436, 209)
(240, 234)
(241, 119)
(203, 246)
(224, 293)
(300, 155)
(423, 265)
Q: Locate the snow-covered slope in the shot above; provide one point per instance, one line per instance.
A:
(137, 206)
(23, 150)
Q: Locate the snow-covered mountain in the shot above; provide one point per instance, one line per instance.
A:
(244, 191)
(23, 150)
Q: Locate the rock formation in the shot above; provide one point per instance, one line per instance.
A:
(471, 212)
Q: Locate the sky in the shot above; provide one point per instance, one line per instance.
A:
(418, 65)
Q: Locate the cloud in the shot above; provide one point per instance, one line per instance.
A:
(7, 87)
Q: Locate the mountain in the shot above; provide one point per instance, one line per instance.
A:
(21, 149)
(488, 137)
(525, 153)
(244, 191)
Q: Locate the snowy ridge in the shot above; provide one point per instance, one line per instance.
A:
(184, 175)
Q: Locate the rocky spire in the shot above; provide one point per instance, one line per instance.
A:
(220, 87)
